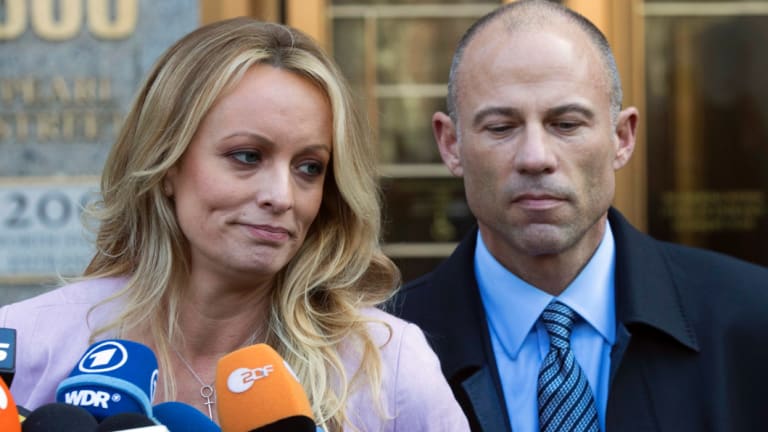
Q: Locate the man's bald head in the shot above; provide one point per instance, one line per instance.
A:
(532, 14)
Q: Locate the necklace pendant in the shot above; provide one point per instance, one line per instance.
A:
(207, 392)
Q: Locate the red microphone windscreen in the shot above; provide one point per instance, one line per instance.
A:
(9, 414)
(255, 387)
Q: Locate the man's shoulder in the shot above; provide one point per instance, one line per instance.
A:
(687, 264)
(713, 266)
(456, 269)
(420, 284)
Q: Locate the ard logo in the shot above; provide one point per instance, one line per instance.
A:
(104, 357)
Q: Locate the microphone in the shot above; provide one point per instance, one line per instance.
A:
(9, 415)
(23, 413)
(7, 354)
(113, 376)
(128, 421)
(256, 390)
(59, 417)
(180, 417)
(155, 428)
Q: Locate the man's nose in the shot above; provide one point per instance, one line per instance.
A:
(534, 152)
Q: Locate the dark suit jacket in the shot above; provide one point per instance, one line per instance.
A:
(690, 354)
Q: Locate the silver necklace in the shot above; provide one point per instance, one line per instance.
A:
(206, 390)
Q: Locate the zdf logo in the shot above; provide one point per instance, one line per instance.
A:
(242, 379)
(104, 357)
(3, 399)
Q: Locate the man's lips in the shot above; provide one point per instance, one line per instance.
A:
(534, 201)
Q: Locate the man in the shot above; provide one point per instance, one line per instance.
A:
(556, 314)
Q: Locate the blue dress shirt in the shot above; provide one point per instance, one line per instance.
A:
(520, 341)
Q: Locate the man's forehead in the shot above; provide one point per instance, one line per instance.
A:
(499, 54)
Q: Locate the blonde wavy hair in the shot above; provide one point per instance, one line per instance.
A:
(340, 268)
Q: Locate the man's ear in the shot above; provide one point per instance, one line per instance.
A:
(626, 135)
(446, 137)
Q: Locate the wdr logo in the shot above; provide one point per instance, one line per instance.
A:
(90, 398)
(104, 357)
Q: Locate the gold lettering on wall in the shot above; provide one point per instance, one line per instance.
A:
(5, 130)
(60, 90)
(22, 126)
(59, 20)
(15, 19)
(58, 109)
(34, 91)
(102, 26)
(61, 126)
(46, 25)
(91, 125)
(711, 211)
(47, 126)
(68, 125)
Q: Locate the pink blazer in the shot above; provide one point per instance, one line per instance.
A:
(53, 331)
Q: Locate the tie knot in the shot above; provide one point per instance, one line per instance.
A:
(558, 320)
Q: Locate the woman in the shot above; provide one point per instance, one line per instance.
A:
(240, 205)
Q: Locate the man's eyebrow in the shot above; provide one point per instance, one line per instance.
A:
(494, 110)
(574, 107)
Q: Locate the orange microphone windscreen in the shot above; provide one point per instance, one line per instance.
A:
(255, 387)
(9, 414)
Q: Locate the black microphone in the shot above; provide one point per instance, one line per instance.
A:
(297, 423)
(23, 414)
(7, 354)
(59, 417)
(124, 421)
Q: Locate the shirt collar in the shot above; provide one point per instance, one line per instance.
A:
(513, 305)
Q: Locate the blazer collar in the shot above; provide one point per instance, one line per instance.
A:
(461, 302)
(468, 357)
(646, 290)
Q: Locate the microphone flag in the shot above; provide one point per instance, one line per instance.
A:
(7, 355)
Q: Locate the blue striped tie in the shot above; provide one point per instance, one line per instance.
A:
(565, 398)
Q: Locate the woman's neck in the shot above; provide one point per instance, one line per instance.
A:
(213, 320)
(216, 322)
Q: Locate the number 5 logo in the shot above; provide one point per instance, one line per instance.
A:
(4, 350)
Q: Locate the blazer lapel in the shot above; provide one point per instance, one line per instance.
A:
(648, 305)
(482, 394)
(645, 288)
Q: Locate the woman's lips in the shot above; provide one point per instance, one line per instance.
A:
(268, 233)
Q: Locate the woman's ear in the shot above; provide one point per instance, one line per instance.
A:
(168, 182)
